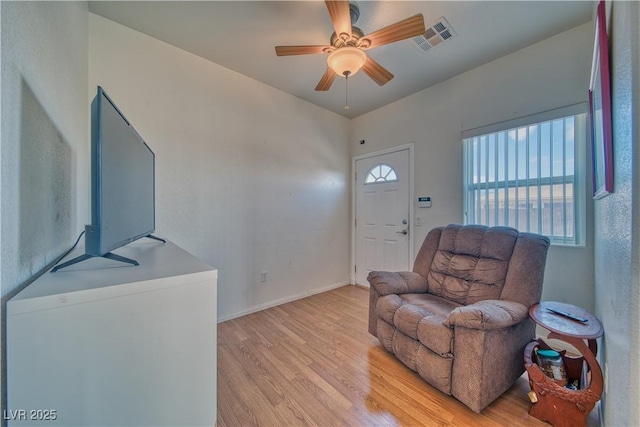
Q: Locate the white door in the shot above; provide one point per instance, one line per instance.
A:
(382, 214)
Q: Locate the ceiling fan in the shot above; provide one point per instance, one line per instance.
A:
(348, 44)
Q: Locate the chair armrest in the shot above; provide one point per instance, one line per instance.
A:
(403, 282)
(487, 314)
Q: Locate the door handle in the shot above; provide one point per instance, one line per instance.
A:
(402, 232)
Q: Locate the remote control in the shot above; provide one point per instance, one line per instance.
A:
(568, 315)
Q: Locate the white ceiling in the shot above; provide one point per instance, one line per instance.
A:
(241, 35)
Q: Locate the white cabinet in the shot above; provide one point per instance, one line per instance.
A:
(106, 343)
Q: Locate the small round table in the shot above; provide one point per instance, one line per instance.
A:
(556, 404)
(590, 330)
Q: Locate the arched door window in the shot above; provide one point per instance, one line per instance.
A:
(381, 173)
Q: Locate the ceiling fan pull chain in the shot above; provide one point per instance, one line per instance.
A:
(346, 90)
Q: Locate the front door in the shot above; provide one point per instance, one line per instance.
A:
(382, 214)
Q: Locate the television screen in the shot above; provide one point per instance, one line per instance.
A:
(122, 184)
(122, 181)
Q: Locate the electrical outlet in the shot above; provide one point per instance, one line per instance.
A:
(418, 221)
(264, 276)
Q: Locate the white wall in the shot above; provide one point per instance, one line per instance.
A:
(248, 178)
(617, 226)
(44, 134)
(550, 74)
(43, 140)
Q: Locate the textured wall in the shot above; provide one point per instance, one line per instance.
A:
(44, 134)
(44, 152)
(248, 178)
(547, 75)
(617, 226)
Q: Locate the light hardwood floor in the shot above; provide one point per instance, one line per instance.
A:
(312, 362)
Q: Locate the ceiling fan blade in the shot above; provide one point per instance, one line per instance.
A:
(327, 79)
(377, 72)
(340, 16)
(410, 27)
(300, 50)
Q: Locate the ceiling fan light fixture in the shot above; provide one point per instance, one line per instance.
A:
(347, 60)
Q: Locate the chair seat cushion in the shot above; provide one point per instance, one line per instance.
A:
(420, 316)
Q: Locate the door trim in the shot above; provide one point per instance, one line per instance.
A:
(410, 147)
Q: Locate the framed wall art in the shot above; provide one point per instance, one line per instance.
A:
(600, 110)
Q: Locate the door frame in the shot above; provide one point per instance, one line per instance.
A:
(410, 147)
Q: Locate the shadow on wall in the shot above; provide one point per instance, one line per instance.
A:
(45, 186)
(43, 170)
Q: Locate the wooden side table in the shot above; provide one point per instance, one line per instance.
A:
(556, 404)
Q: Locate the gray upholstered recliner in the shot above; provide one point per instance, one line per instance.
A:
(460, 319)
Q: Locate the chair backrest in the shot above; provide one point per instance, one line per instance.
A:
(472, 263)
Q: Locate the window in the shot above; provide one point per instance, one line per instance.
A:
(381, 173)
(529, 174)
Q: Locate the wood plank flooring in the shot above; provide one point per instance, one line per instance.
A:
(312, 362)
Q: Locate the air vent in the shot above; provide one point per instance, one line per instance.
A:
(439, 32)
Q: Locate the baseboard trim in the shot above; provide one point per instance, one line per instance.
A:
(281, 301)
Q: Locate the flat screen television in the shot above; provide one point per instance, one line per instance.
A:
(122, 184)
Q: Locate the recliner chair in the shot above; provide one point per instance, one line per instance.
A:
(460, 318)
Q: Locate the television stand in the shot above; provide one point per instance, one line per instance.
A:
(108, 255)
(151, 236)
(97, 347)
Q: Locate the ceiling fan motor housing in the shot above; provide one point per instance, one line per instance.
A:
(355, 12)
(356, 34)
